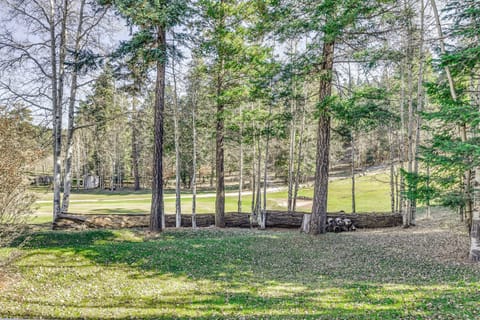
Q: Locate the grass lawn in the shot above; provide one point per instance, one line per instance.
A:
(418, 273)
(373, 194)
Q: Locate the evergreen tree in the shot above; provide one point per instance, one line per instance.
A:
(153, 18)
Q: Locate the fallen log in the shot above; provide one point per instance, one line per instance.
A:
(275, 219)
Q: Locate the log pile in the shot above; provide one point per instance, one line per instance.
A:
(275, 219)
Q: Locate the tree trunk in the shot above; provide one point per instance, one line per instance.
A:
(219, 165)
(194, 164)
(410, 143)
(401, 192)
(258, 197)
(253, 178)
(71, 114)
(319, 209)
(392, 171)
(291, 164)
(420, 100)
(352, 143)
(178, 204)
(240, 180)
(291, 150)
(135, 151)
(299, 164)
(475, 229)
(429, 210)
(157, 214)
(57, 114)
(263, 215)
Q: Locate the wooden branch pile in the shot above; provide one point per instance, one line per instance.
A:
(275, 219)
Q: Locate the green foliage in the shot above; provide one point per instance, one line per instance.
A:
(366, 109)
(99, 107)
(448, 153)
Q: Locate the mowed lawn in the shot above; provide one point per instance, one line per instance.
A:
(372, 194)
(416, 273)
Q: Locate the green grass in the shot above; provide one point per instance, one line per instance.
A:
(372, 192)
(239, 274)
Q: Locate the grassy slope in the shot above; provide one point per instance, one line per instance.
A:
(372, 195)
(381, 274)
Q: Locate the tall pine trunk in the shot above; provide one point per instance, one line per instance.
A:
(157, 214)
(319, 209)
(219, 165)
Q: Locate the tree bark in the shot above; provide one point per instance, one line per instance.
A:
(291, 149)
(57, 114)
(319, 209)
(135, 151)
(194, 163)
(219, 165)
(291, 163)
(263, 216)
(71, 115)
(240, 180)
(178, 204)
(352, 143)
(420, 101)
(475, 229)
(410, 142)
(401, 192)
(392, 172)
(253, 178)
(299, 164)
(258, 197)
(157, 214)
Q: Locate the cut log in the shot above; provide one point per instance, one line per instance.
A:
(275, 219)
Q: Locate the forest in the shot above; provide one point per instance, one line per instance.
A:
(159, 118)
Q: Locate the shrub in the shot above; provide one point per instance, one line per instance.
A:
(17, 153)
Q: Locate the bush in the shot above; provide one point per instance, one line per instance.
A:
(17, 152)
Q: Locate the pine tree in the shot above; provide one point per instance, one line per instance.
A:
(153, 19)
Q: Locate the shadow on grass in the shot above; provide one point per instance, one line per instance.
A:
(267, 275)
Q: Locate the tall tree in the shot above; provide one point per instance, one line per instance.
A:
(153, 19)
(60, 29)
(224, 26)
(455, 145)
(328, 22)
